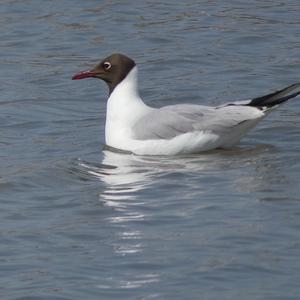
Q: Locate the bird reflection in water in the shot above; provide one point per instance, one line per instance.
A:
(132, 182)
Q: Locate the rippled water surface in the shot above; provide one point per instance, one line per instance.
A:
(79, 222)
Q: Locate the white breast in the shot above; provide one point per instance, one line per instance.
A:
(124, 108)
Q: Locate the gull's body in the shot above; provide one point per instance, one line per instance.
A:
(133, 126)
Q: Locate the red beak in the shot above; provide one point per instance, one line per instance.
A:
(84, 74)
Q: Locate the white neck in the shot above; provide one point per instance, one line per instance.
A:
(124, 108)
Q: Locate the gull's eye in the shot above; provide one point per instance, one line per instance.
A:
(107, 65)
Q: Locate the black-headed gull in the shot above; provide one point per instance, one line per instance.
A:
(133, 126)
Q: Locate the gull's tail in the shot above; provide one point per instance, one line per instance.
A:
(276, 98)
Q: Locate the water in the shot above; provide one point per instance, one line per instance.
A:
(77, 222)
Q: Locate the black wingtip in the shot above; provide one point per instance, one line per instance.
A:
(277, 97)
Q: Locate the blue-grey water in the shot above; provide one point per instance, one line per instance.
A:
(77, 222)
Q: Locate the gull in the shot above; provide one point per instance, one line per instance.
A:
(135, 127)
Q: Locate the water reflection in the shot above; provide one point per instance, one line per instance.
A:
(128, 179)
(132, 184)
(126, 175)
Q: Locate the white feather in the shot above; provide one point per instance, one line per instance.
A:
(133, 126)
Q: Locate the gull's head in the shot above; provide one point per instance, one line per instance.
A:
(113, 69)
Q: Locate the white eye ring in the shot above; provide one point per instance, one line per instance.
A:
(107, 65)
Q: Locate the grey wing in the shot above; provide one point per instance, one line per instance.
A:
(163, 123)
(171, 121)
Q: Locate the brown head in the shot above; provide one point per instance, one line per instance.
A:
(112, 70)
